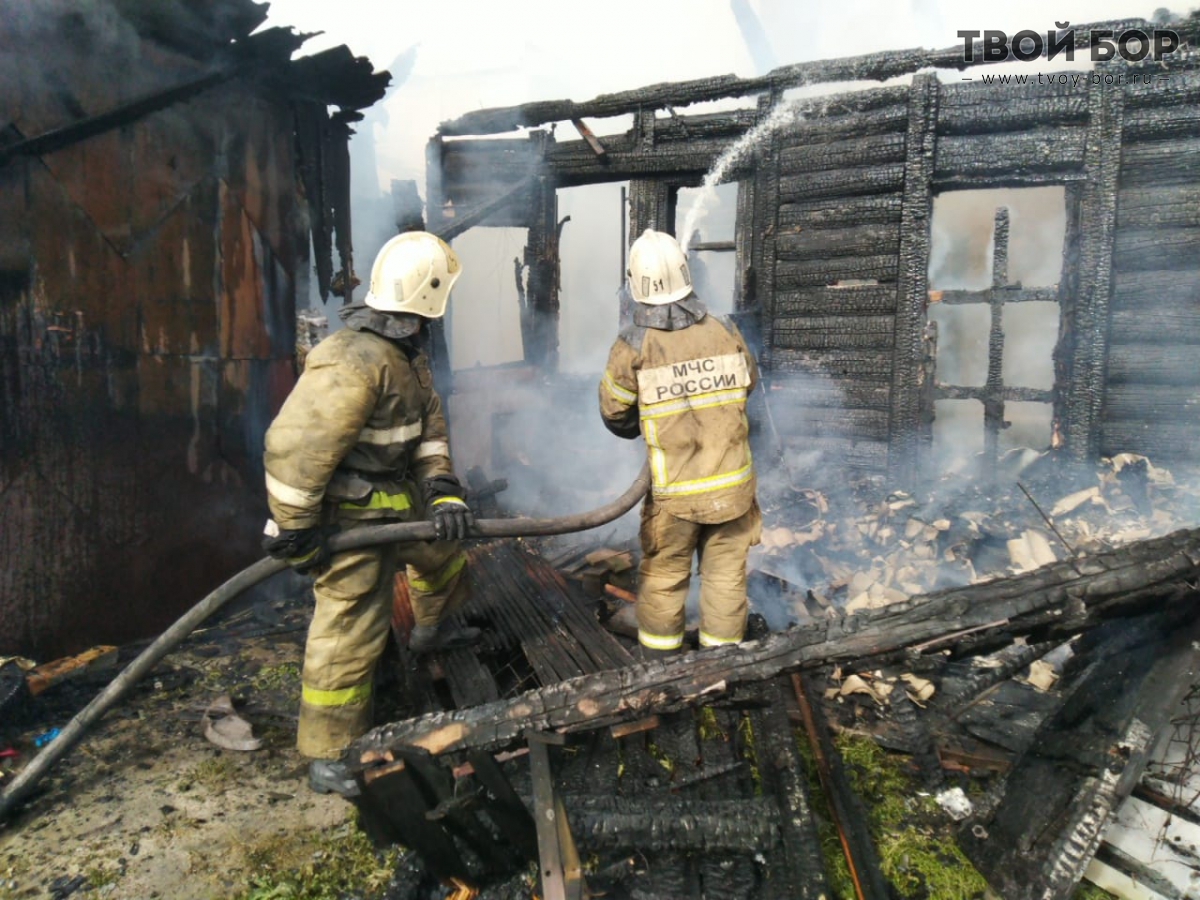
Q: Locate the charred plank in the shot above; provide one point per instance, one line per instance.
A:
(864, 151)
(1062, 598)
(860, 300)
(822, 243)
(879, 209)
(1040, 149)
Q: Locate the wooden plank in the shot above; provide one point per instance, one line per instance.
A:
(1156, 249)
(823, 243)
(1157, 163)
(1118, 883)
(1156, 124)
(912, 292)
(834, 332)
(863, 151)
(1153, 403)
(995, 112)
(1045, 150)
(575, 163)
(1158, 841)
(1058, 599)
(1177, 89)
(1161, 442)
(1177, 206)
(1172, 293)
(876, 365)
(857, 300)
(872, 209)
(1152, 363)
(791, 275)
(824, 129)
(842, 183)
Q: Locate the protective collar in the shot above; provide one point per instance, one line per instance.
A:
(670, 316)
(394, 326)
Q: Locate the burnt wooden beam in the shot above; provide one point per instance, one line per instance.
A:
(839, 183)
(823, 243)
(872, 209)
(849, 814)
(450, 228)
(993, 398)
(1156, 249)
(1152, 403)
(1165, 442)
(763, 221)
(1163, 207)
(1059, 599)
(1150, 362)
(818, 126)
(1083, 761)
(792, 274)
(801, 157)
(1009, 293)
(587, 135)
(859, 300)
(980, 109)
(1087, 353)
(800, 875)
(913, 280)
(875, 365)
(1004, 392)
(840, 332)
(1155, 164)
(1043, 149)
(865, 67)
(542, 294)
(668, 822)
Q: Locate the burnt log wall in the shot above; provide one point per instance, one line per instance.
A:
(833, 245)
(148, 280)
(1152, 378)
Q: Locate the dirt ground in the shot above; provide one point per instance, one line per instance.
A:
(147, 807)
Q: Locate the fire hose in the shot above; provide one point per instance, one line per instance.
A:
(396, 533)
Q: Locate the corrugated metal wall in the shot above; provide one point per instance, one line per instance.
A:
(147, 294)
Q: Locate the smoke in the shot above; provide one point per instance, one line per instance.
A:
(781, 115)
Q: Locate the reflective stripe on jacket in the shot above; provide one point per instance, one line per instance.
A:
(685, 390)
(362, 423)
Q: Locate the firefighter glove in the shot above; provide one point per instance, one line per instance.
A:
(452, 518)
(306, 549)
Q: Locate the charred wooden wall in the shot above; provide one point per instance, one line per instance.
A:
(147, 294)
(1152, 379)
(834, 224)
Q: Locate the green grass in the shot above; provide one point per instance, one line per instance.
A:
(913, 838)
(318, 865)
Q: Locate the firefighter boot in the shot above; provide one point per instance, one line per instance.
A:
(649, 653)
(446, 636)
(329, 776)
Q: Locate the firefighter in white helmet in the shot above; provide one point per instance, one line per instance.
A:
(360, 440)
(680, 377)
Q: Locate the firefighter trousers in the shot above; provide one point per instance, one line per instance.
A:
(668, 544)
(350, 627)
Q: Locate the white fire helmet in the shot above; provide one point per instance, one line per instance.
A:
(658, 272)
(413, 273)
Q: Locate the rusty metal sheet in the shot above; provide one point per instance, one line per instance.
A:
(173, 280)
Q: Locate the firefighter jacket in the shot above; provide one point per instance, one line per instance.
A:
(681, 377)
(360, 430)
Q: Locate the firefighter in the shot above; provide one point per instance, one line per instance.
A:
(680, 377)
(362, 440)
